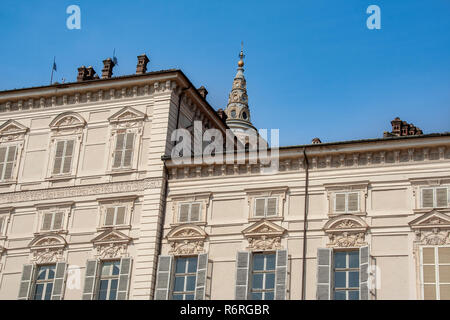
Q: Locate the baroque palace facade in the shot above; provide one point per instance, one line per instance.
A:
(93, 206)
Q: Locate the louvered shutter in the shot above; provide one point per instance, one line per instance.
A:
(195, 212)
(271, 206)
(184, 212)
(339, 202)
(68, 154)
(242, 275)
(259, 207)
(58, 157)
(124, 278)
(202, 272)
(90, 280)
(57, 223)
(10, 162)
(26, 282)
(109, 218)
(47, 221)
(118, 150)
(427, 198)
(364, 273)
(281, 274)
(353, 202)
(324, 272)
(128, 150)
(58, 282)
(2, 160)
(163, 277)
(2, 221)
(120, 219)
(441, 197)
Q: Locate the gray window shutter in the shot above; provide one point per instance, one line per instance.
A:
(118, 150)
(47, 221)
(58, 283)
(2, 160)
(281, 275)
(10, 162)
(124, 278)
(202, 272)
(109, 218)
(364, 273)
(259, 207)
(427, 198)
(26, 282)
(324, 272)
(441, 197)
(128, 150)
(58, 222)
(195, 212)
(271, 206)
(68, 156)
(90, 280)
(242, 275)
(120, 219)
(353, 201)
(184, 212)
(2, 221)
(339, 205)
(58, 157)
(163, 277)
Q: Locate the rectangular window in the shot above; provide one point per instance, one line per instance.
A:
(184, 278)
(346, 275)
(63, 156)
(8, 156)
(346, 202)
(266, 207)
(123, 151)
(108, 280)
(263, 276)
(52, 221)
(44, 282)
(115, 216)
(436, 273)
(436, 197)
(189, 212)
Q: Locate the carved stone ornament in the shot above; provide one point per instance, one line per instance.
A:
(346, 231)
(264, 235)
(111, 244)
(12, 130)
(186, 240)
(432, 228)
(127, 117)
(68, 122)
(47, 248)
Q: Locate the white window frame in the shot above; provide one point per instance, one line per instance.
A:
(52, 226)
(190, 203)
(104, 203)
(60, 173)
(123, 149)
(436, 269)
(42, 209)
(108, 278)
(266, 201)
(434, 196)
(116, 209)
(346, 202)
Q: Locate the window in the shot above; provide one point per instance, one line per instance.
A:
(189, 212)
(2, 225)
(263, 276)
(436, 197)
(435, 273)
(346, 275)
(346, 202)
(184, 278)
(8, 156)
(123, 151)
(63, 157)
(52, 221)
(108, 281)
(44, 282)
(115, 216)
(266, 207)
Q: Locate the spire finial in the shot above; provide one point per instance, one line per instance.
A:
(241, 56)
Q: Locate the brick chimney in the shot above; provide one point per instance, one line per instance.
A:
(316, 141)
(402, 128)
(107, 70)
(203, 92)
(141, 66)
(82, 72)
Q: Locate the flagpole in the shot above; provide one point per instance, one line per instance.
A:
(53, 68)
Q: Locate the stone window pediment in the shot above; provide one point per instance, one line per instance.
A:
(12, 130)
(47, 248)
(264, 235)
(186, 240)
(68, 121)
(127, 115)
(432, 228)
(111, 244)
(346, 231)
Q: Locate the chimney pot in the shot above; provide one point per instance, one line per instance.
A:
(141, 66)
(316, 141)
(82, 72)
(107, 70)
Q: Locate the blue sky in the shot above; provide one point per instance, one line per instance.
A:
(313, 68)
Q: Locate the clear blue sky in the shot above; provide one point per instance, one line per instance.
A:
(313, 68)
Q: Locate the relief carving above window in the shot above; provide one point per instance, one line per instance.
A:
(187, 240)
(432, 228)
(47, 248)
(346, 231)
(264, 235)
(12, 140)
(111, 244)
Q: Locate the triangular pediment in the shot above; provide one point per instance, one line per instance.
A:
(47, 241)
(186, 232)
(67, 120)
(263, 228)
(127, 114)
(431, 219)
(345, 223)
(111, 236)
(12, 127)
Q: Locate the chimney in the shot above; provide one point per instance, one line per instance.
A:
(222, 115)
(82, 71)
(402, 128)
(141, 67)
(203, 92)
(107, 70)
(90, 73)
(316, 141)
